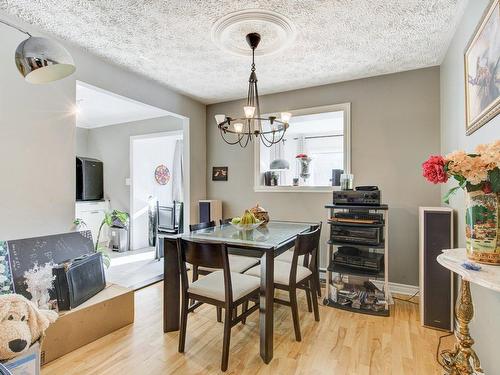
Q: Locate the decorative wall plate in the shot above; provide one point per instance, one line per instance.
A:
(162, 174)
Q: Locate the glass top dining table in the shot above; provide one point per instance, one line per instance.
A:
(264, 242)
(272, 235)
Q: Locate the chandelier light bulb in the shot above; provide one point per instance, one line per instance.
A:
(285, 117)
(220, 118)
(238, 127)
(249, 111)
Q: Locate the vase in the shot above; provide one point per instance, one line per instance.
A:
(482, 227)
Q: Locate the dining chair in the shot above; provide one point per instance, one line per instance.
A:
(225, 221)
(222, 288)
(237, 263)
(287, 256)
(292, 276)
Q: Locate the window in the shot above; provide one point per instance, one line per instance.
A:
(316, 143)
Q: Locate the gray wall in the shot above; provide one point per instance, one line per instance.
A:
(395, 126)
(111, 145)
(82, 142)
(37, 137)
(486, 325)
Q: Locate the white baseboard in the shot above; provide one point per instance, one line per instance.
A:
(405, 289)
(396, 288)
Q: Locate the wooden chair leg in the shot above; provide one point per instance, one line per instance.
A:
(295, 313)
(183, 327)
(308, 298)
(195, 277)
(244, 309)
(226, 339)
(219, 314)
(318, 283)
(313, 286)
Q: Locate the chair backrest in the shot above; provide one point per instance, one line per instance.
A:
(165, 216)
(193, 227)
(179, 216)
(226, 221)
(204, 254)
(306, 244)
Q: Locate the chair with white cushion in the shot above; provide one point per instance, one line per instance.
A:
(287, 256)
(222, 288)
(237, 263)
(292, 276)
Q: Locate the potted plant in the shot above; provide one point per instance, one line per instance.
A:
(115, 217)
(479, 175)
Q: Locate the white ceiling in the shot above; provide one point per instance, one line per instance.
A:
(97, 107)
(170, 40)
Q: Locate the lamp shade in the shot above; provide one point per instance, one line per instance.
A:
(279, 164)
(42, 60)
(220, 118)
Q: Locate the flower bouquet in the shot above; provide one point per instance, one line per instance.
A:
(479, 175)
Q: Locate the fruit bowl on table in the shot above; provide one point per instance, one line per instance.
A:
(247, 227)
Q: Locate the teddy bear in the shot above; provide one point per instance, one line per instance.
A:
(21, 324)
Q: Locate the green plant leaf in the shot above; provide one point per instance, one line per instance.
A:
(447, 196)
(494, 177)
(469, 187)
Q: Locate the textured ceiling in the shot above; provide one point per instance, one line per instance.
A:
(170, 40)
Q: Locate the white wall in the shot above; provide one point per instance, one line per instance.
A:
(395, 126)
(37, 137)
(486, 325)
(147, 154)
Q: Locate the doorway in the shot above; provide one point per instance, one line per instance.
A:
(106, 123)
(156, 172)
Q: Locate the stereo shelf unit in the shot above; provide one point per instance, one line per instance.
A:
(357, 275)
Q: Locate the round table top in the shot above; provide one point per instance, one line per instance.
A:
(488, 276)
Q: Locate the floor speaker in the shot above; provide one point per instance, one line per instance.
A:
(210, 210)
(436, 282)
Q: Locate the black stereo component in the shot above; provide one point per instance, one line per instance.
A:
(357, 234)
(360, 217)
(359, 259)
(357, 197)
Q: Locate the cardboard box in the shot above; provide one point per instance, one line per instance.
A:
(27, 363)
(106, 312)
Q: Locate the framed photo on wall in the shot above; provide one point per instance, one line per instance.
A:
(219, 173)
(482, 71)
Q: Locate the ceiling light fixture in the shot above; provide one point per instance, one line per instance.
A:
(240, 130)
(41, 60)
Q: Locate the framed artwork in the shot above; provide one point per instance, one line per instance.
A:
(162, 174)
(219, 173)
(482, 71)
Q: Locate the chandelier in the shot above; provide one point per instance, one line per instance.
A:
(241, 130)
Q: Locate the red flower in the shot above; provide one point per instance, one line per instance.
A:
(433, 170)
(301, 156)
(487, 187)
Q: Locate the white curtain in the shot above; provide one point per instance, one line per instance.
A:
(177, 172)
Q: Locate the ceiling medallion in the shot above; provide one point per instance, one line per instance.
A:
(229, 31)
(241, 130)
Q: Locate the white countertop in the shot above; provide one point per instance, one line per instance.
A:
(487, 276)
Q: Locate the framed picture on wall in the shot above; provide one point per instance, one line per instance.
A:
(482, 71)
(219, 174)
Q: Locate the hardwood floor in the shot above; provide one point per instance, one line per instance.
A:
(341, 343)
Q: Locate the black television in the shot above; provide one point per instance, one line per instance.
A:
(89, 179)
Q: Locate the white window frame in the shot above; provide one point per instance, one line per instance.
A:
(346, 108)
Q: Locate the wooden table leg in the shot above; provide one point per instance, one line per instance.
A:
(171, 286)
(266, 305)
(462, 360)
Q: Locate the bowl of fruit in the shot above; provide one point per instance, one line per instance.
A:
(247, 222)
